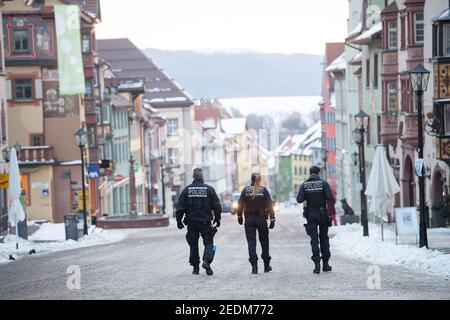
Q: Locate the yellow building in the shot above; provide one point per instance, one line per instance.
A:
(300, 164)
(39, 119)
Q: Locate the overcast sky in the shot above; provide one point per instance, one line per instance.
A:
(282, 26)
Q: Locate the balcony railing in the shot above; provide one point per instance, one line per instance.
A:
(42, 155)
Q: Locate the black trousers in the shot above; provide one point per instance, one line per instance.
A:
(194, 231)
(317, 229)
(252, 224)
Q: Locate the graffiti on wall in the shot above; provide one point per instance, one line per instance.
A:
(54, 104)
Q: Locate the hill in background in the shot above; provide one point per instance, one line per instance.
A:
(231, 75)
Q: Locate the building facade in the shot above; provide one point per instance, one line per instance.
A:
(403, 50)
(44, 120)
(367, 38)
(3, 135)
(328, 115)
(165, 95)
(437, 108)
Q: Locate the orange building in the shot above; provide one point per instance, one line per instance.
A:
(327, 115)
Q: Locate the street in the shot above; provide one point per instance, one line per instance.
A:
(152, 264)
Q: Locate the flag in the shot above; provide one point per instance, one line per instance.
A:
(70, 61)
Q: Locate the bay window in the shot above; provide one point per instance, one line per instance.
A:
(392, 35)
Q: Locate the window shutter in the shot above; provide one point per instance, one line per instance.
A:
(8, 90)
(38, 89)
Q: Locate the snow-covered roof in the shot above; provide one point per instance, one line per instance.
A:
(367, 36)
(300, 144)
(338, 64)
(444, 16)
(234, 125)
(355, 32)
(357, 59)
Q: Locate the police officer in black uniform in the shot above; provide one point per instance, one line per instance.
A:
(196, 204)
(316, 193)
(257, 206)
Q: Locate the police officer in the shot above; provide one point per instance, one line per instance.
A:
(196, 204)
(257, 206)
(316, 193)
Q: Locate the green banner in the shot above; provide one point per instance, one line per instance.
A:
(70, 61)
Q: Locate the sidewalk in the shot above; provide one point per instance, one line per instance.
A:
(348, 240)
(51, 237)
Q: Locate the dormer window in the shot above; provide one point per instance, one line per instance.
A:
(441, 35)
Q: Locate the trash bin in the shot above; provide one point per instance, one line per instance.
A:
(23, 229)
(80, 225)
(71, 224)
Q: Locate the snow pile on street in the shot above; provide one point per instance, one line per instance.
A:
(51, 238)
(348, 240)
(50, 232)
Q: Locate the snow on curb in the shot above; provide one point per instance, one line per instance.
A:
(53, 240)
(348, 241)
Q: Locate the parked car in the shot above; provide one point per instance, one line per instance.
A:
(226, 206)
(234, 204)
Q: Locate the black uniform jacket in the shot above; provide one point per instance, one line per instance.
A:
(261, 203)
(315, 192)
(198, 200)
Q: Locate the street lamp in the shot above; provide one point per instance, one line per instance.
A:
(324, 161)
(419, 77)
(362, 121)
(81, 139)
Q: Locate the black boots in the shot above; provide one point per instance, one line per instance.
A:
(207, 267)
(326, 267)
(317, 268)
(254, 269)
(267, 267)
(196, 270)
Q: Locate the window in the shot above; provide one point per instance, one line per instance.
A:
(124, 120)
(86, 43)
(118, 152)
(406, 97)
(392, 35)
(446, 40)
(36, 140)
(106, 114)
(98, 115)
(173, 157)
(92, 138)
(3, 122)
(419, 31)
(403, 34)
(172, 127)
(368, 73)
(375, 71)
(23, 90)
(391, 89)
(379, 128)
(21, 41)
(89, 91)
(447, 119)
